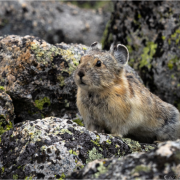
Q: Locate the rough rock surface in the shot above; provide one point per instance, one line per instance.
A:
(52, 21)
(151, 31)
(6, 112)
(161, 163)
(38, 76)
(55, 147)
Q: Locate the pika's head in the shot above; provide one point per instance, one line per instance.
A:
(98, 69)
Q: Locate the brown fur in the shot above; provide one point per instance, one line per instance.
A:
(115, 100)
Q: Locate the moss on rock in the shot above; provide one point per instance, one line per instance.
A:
(93, 155)
(2, 88)
(78, 121)
(101, 170)
(4, 126)
(147, 55)
(40, 103)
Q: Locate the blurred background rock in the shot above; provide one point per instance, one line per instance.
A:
(55, 21)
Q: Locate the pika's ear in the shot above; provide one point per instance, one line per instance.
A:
(95, 45)
(120, 53)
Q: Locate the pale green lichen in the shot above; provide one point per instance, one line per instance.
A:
(139, 16)
(69, 56)
(163, 37)
(62, 176)
(147, 55)
(66, 103)
(15, 176)
(76, 63)
(2, 170)
(108, 141)
(43, 148)
(101, 170)
(148, 148)
(72, 152)
(96, 142)
(79, 122)
(93, 155)
(141, 168)
(129, 49)
(137, 23)
(129, 40)
(2, 88)
(174, 61)
(44, 55)
(4, 128)
(40, 103)
(65, 131)
(176, 36)
(134, 145)
(61, 80)
(172, 76)
(29, 178)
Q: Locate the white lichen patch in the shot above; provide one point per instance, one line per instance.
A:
(167, 149)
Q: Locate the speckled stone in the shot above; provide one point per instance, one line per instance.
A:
(38, 76)
(53, 148)
(161, 163)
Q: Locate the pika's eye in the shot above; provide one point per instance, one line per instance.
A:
(98, 64)
(79, 61)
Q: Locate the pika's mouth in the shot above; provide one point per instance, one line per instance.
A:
(82, 83)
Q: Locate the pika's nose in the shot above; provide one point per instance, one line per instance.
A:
(80, 74)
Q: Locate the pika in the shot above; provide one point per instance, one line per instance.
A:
(110, 98)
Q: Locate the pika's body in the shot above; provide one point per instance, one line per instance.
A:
(111, 98)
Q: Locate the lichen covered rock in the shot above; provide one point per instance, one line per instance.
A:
(53, 148)
(162, 163)
(38, 76)
(151, 31)
(6, 112)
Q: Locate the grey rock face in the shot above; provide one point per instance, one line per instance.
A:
(151, 31)
(52, 21)
(37, 76)
(162, 163)
(53, 148)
